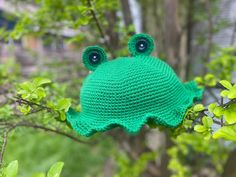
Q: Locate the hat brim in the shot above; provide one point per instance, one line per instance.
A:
(87, 126)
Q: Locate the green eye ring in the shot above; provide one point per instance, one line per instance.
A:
(141, 44)
(93, 56)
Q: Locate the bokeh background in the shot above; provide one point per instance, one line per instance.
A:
(46, 38)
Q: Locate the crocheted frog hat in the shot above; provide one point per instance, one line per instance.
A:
(130, 91)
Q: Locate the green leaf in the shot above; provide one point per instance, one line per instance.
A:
(207, 136)
(55, 170)
(51, 105)
(226, 84)
(6, 111)
(24, 109)
(40, 92)
(226, 132)
(64, 104)
(41, 81)
(218, 111)
(207, 121)
(210, 80)
(199, 80)
(27, 86)
(200, 128)
(232, 93)
(230, 114)
(11, 170)
(39, 175)
(224, 93)
(198, 107)
(83, 9)
(211, 107)
(62, 116)
(188, 123)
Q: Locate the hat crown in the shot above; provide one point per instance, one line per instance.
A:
(130, 85)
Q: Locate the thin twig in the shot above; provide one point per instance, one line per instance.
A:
(23, 101)
(10, 126)
(100, 28)
(230, 124)
(218, 122)
(213, 95)
(225, 105)
(4, 144)
(56, 131)
(217, 86)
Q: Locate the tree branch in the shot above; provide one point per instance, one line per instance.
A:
(210, 27)
(225, 105)
(99, 27)
(217, 86)
(213, 95)
(4, 144)
(46, 129)
(31, 104)
(22, 124)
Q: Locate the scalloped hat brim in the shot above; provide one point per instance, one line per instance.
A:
(87, 126)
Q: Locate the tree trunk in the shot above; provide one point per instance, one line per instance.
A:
(152, 11)
(172, 32)
(127, 16)
(165, 157)
(190, 24)
(144, 6)
(210, 34)
(113, 36)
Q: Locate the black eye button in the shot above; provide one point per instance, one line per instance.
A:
(94, 57)
(141, 45)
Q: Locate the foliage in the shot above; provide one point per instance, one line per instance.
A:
(207, 80)
(223, 63)
(230, 91)
(134, 169)
(55, 170)
(221, 67)
(34, 93)
(9, 71)
(203, 119)
(56, 17)
(44, 149)
(11, 170)
(189, 148)
(40, 101)
(222, 114)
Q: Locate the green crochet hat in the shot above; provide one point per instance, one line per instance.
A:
(130, 91)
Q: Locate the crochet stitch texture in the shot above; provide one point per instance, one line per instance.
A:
(130, 91)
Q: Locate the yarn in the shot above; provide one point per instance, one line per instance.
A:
(93, 56)
(130, 91)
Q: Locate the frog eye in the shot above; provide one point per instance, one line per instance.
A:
(141, 44)
(93, 56)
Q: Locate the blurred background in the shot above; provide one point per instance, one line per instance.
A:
(46, 37)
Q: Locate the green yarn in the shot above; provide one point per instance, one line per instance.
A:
(131, 91)
(146, 39)
(88, 54)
